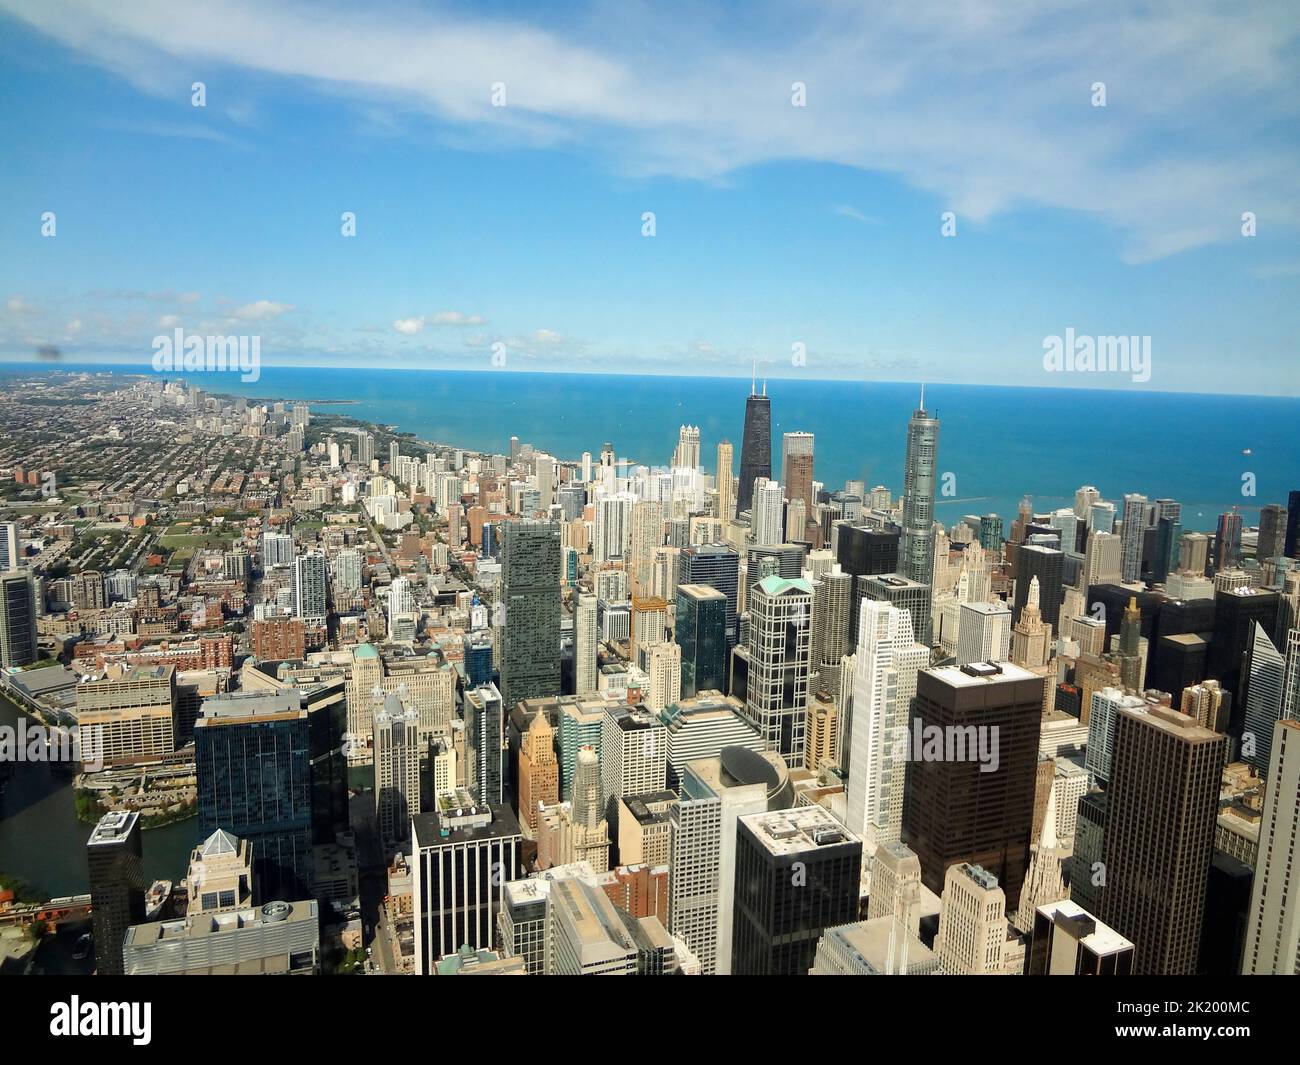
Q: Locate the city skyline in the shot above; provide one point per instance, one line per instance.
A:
(805, 232)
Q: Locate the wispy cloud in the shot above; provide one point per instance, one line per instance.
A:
(987, 106)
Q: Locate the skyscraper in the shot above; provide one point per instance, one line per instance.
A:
(1273, 924)
(797, 468)
(1132, 534)
(725, 482)
(1272, 532)
(780, 664)
(584, 645)
(984, 634)
(765, 521)
(887, 662)
(484, 727)
(17, 620)
(972, 798)
(687, 453)
(797, 874)
(1044, 564)
(1265, 674)
(702, 636)
(114, 860)
(916, 547)
(539, 771)
(11, 554)
(530, 594)
(715, 793)
(309, 584)
(755, 447)
(464, 855)
(397, 770)
(270, 770)
(1163, 802)
(1291, 543)
(1227, 541)
(718, 566)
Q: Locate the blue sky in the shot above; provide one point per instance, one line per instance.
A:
(775, 225)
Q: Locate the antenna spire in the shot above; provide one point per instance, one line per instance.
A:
(753, 379)
(923, 395)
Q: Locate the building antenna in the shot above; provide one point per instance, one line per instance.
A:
(923, 395)
(753, 380)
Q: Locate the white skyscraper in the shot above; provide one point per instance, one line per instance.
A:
(984, 634)
(613, 527)
(1273, 920)
(767, 513)
(687, 453)
(309, 584)
(888, 659)
(584, 645)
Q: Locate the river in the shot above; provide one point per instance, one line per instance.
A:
(43, 843)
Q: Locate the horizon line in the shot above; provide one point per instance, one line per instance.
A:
(147, 370)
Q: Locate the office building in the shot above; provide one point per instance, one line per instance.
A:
(780, 665)
(270, 769)
(1132, 535)
(463, 856)
(1163, 802)
(397, 771)
(797, 468)
(1069, 941)
(755, 447)
(971, 799)
(309, 588)
(115, 864)
(539, 771)
(718, 567)
(17, 620)
(633, 756)
(973, 927)
(131, 710)
(887, 662)
(585, 644)
(916, 546)
(715, 792)
(529, 658)
(702, 727)
(701, 633)
(984, 634)
(1273, 920)
(797, 874)
(484, 731)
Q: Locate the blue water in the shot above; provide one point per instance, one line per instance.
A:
(1000, 443)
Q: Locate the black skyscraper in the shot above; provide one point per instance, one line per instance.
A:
(1292, 543)
(797, 874)
(116, 867)
(1045, 563)
(865, 552)
(755, 448)
(529, 652)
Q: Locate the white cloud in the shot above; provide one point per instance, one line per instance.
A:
(985, 105)
(456, 318)
(409, 326)
(262, 310)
